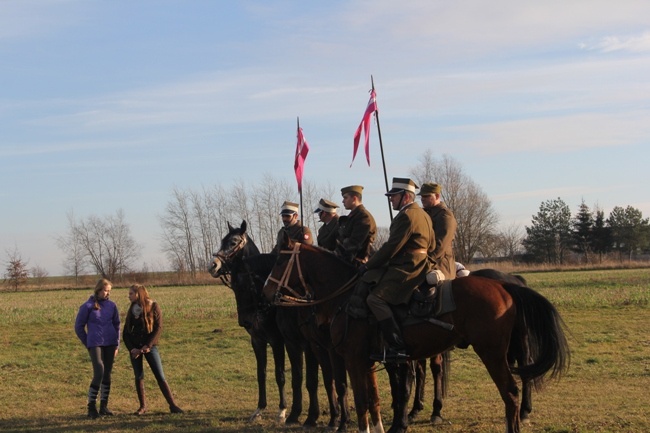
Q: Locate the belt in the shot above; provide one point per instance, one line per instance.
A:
(418, 251)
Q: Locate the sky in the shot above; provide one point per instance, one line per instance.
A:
(109, 105)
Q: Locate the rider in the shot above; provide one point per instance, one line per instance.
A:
(399, 266)
(357, 230)
(292, 227)
(444, 226)
(328, 232)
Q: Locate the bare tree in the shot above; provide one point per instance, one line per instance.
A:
(471, 206)
(179, 232)
(106, 243)
(16, 272)
(39, 275)
(74, 263)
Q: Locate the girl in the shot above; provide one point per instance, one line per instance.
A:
(98, 327)
(142, 329)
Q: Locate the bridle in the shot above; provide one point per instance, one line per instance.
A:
(225, 257)
(295, 299)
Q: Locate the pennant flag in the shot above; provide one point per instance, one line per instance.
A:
(365, 125)
(302, 149)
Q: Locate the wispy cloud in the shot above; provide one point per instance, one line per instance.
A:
(633, 44)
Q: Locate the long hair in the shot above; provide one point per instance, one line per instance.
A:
(101, 285)
(145, 302)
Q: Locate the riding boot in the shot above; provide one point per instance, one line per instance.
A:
(167, 393)
(92, 410)
(139, 389)
(396, 351)
(103, 408)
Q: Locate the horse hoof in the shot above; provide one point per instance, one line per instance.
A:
(413, 415)
(525, 421)
(282, 415)
(256, 415)
(437, 420)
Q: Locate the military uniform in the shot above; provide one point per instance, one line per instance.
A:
(444, 226)
(400, 265)
(295, 232)
(328, 232)
(357, 232)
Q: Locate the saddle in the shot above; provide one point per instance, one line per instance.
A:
(425, 305)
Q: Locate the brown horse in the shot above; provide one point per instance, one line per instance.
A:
(490, 315)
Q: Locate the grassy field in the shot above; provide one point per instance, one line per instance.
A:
(45, 371)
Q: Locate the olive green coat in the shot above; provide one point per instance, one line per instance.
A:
(327, 234)
(397, 268)
(296, 233)
(356, 235)
(444, 226)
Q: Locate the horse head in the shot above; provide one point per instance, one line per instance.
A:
(236, 244)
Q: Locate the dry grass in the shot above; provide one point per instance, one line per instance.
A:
(44, 370)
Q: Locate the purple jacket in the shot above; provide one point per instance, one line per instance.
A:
(98, 327)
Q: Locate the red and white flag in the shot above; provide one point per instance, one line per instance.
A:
(365, 125)
(302, 149)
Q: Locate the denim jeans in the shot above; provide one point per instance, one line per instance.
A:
(154, 361)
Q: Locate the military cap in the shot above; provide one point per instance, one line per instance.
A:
(355, 189)
(289, 208)
(326, 206)
(429, 188)
(401, 184)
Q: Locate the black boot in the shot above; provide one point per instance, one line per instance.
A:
(167, 393)
(92, 410)
(103, 408)
(396, 351)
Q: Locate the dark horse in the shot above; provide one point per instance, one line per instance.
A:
(490, 315)
(240, 259)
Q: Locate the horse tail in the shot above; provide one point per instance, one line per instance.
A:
(538, 341)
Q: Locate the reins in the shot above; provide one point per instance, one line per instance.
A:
(296, 299)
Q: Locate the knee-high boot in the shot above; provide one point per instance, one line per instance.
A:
(139, 389)
(167, 393)
(393, 336)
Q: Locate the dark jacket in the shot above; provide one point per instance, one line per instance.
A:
(444, 226)
(328, 233)
(401, 263)
(357, 233)
(296, 232)
(135, 333)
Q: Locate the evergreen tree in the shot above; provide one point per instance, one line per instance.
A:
(549, 237)
(629, 230)
(601, 235)
(582, 233)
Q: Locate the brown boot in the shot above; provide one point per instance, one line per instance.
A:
(139, 388)
(164, 387)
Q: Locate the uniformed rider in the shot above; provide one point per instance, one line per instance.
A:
(328, 232)
(357, 230)
(396, 269)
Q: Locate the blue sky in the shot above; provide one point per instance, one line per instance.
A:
(110, 105)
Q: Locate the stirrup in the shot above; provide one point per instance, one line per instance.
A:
(390, 356)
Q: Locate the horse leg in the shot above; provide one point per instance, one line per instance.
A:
(496, 362)
(311, 381)
(328, 381)
(437, 371)
(405, 376)
(277, 347)
(373, 398)
(420, 380)
(337, 365)
(259, 348)
(295, 353)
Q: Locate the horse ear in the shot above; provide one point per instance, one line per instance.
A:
(243, 226)
(230, 228)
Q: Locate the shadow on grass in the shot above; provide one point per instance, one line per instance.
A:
(192, 422)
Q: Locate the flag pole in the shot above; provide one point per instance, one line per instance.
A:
(381, 148)
(300, 185)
